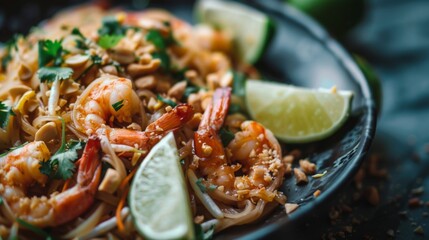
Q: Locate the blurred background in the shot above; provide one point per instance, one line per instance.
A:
(389, 197)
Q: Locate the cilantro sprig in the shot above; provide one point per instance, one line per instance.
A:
(51, 74)
(81, 40)
(52, 52)
(111, 32)
(161, 43)
(226, 136)
(9, 45)
(61, 164)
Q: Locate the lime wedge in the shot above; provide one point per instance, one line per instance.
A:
(158, 197)
(296, 114)
(250, 29)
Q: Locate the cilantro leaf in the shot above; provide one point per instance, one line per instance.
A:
(165, 59)
(5, 113)
(118, 105)
(10, 44)
(166, 101)
(50, 51)
(62, 162)
(109, 41)
(156, 38)
(51, 74)
(189, 90)
(77, 32)
(65, 164)
(80, 43)
(111, 26)
(226, 136)
(1, 200)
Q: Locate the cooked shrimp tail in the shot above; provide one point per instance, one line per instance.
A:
(58, 208)
(145, 140)
(76, 200)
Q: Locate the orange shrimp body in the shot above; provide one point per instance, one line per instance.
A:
(58, 208)
(208, 147)
(254, 149)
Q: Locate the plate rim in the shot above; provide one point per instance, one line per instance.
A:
(344, 58)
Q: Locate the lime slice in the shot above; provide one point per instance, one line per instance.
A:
(158, 197)
(250, 29)
(297, 114)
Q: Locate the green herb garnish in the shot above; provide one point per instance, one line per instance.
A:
(165, 59)
(5, 113)
(80, 42)
(166, 101)
(10, 45)
(118, 105)
(50, 51)
(51, 74)
(226, 136)
(61, 164)
(156, 38)
(201, 185)
(34, 229)
(109, 41)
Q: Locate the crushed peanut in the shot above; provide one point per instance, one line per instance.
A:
(300, 176)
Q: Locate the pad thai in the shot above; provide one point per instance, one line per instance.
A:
(86, 96)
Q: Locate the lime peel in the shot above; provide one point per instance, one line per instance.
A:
(250, 36)
(296, 114)
(158, 199)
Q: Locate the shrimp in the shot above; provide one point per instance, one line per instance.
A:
(20, 172)
(145, 140)
(208, 147)
(106, 99)
(253, 149)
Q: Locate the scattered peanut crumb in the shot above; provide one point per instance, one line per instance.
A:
(317, 193)
(300, 176)
(290, 207)
(168, 108)
(288, 169)
(358, 179)
(288, 159)
(199, 219)
(296, 153)
(307, 166)
(372, 196)
(419, 230)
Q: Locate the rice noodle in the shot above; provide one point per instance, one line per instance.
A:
(113, 159)
(86, 226)
(204, 197)
(105, 226)
(251, 216)
(7, 211)
(54, 96)
(27, 127)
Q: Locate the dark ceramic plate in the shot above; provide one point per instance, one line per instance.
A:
(303, 54)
